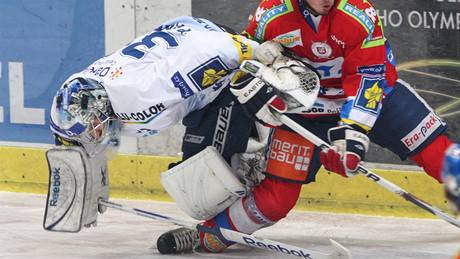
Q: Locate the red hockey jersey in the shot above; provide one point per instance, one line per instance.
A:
(347, 47)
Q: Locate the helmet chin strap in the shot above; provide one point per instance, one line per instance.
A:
(308, 7)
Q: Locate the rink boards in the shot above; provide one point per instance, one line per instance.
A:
(137, 177)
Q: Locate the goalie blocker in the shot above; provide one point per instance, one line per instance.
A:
(76, 183)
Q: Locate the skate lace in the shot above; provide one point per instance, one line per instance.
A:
(186, 240)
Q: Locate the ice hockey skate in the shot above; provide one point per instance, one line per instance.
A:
(177, 241)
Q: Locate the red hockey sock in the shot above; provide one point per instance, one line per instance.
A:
(275, 198)
(431, 158)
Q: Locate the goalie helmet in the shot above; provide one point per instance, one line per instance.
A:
(451, 176)
(81, 112)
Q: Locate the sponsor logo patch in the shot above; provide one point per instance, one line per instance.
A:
(358, 15)
(290, 39)
(181, 84)
(195, 139)
(147, 132)
(56, 186)
(267, 16)
(244, 50)
(422, 132)
(297, 156)
(142, 117)
(374, 70)
(341, 43)
(223, 123)
(329, 69)
(275, 247)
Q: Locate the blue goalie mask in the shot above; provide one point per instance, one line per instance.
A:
(82, 112)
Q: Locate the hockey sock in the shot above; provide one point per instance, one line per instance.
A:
(275, 198)
(432, 156)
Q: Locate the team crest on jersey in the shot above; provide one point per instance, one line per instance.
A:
(208, 73)
(290, 39)
(370, 94)
(321, 49)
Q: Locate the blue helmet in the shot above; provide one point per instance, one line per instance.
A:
(451, 176)
(81, 112)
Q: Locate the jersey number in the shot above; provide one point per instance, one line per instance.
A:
(147, 41)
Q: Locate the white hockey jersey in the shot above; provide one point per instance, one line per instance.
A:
(160, 77)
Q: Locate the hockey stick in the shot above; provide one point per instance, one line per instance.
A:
(339, 251)
(369, 174)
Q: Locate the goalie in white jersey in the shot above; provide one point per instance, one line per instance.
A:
(149, 85)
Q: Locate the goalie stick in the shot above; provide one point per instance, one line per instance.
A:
(368, 173)
(339, 251)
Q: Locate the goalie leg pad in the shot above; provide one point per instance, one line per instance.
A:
(76, 183)
(203, 185)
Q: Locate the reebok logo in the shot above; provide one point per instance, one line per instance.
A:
(276, 247)
(56, 186)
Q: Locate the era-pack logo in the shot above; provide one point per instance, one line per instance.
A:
(208, 73)
(369, 95)
(422, 132)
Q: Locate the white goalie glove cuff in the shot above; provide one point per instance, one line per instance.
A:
(268, 52)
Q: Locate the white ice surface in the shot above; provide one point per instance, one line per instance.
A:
(123, 235)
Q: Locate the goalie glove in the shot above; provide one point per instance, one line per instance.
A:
(349, 144)
(258, 98)
(296, 83)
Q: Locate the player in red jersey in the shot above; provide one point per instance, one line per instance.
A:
(361, 100)
(344, 41)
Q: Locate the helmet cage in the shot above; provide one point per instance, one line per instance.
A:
(82, 112)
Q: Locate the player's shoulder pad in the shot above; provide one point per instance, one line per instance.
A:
(362, 11)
